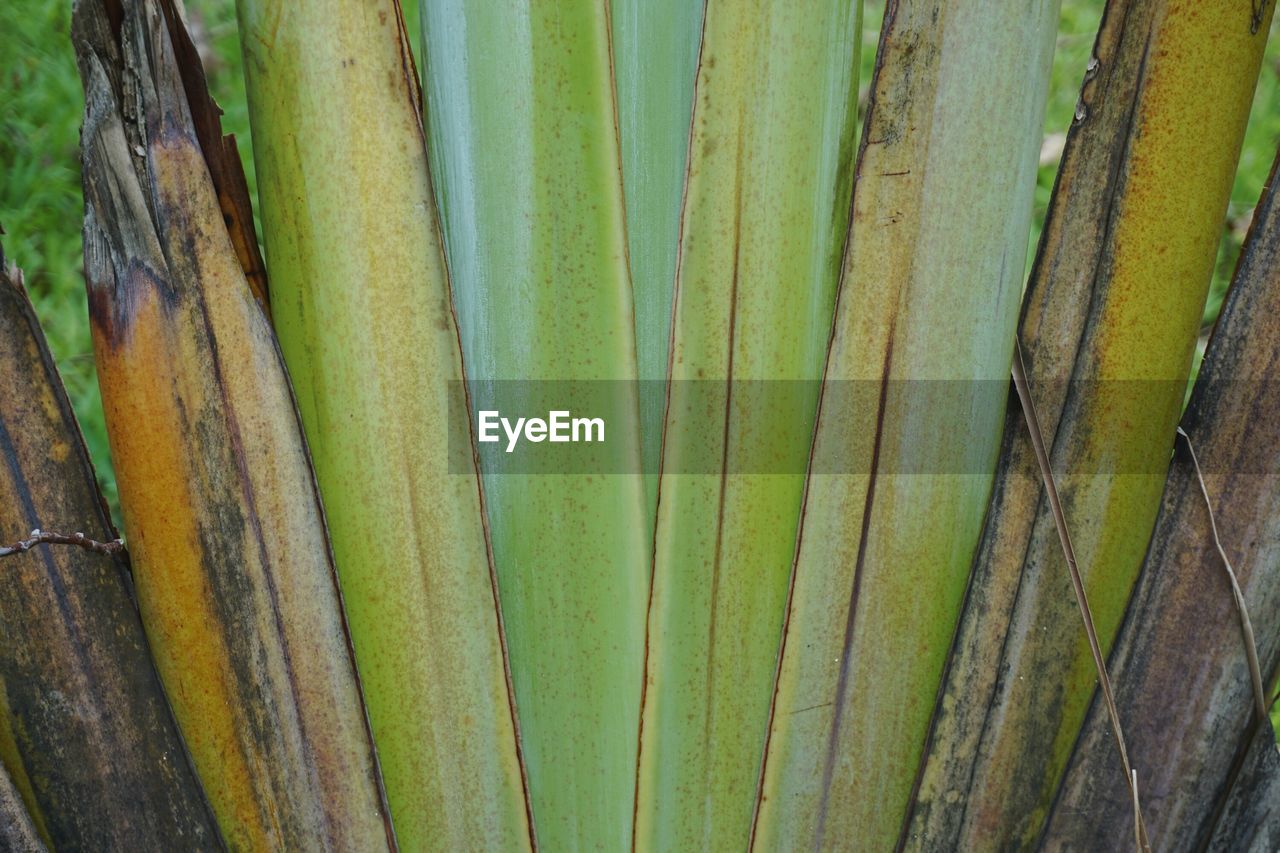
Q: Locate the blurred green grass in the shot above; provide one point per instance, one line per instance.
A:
(40, 205)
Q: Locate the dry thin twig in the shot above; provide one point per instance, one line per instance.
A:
(1137, 824)
(48, 537)
(1023, 388)
(1246, 626)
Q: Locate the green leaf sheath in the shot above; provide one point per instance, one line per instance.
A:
(909, 426)
(521, 119)
(1182, 678)
(1110, 318)
(86, 735)
(763, 229)
(361, 301)
(655, 57)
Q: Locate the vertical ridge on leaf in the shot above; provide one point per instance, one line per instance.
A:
(765, 217)
(521, 115)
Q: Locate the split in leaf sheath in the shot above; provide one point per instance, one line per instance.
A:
(763, 229)
(925, 315)
(655, 60)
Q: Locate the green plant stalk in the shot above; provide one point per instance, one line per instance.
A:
(520, 107)
(1186, 696)
(764, 225)
(655, 51)
(1110, 320)
(929, 292)
(86, 735)
(363, 310)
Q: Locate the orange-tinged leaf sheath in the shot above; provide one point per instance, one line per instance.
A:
(231, 562)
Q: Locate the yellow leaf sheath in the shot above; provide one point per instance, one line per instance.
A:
(1183, 685)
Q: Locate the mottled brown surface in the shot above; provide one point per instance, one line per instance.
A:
(17, 832)
(1179, 664)
(1116, 294)
(234, 578)
(1249, 816)
(85, 731)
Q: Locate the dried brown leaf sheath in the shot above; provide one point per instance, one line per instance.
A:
(1180, 666)
(231, 560)
(85, 730)
(1110, 317)
(17, 832)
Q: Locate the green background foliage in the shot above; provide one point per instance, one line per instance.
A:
(40, 202)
